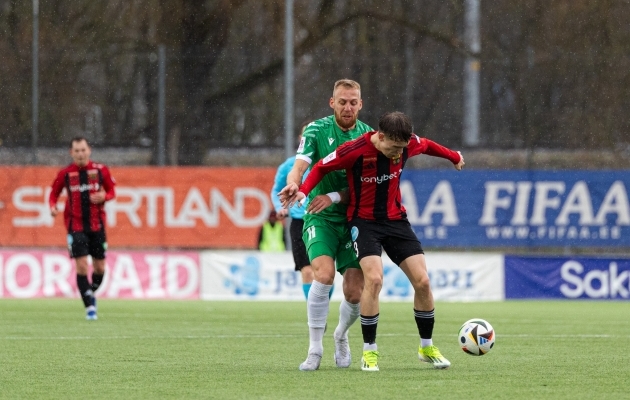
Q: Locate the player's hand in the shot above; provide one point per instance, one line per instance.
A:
(282, 214)
(460, 165)
(97, 197)
(319, 203)
(54, 211)
(288, 195)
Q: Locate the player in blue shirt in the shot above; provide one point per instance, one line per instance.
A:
(300, 256)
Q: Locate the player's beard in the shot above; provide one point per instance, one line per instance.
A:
(346, 124)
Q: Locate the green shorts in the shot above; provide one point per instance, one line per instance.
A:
(325, 238)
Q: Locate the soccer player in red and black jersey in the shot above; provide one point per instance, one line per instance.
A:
(377, 220)
(88, 186)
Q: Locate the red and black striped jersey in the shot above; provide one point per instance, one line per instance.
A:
(81, 215)
(373, 178)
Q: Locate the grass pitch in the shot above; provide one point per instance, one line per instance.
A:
(251, 350)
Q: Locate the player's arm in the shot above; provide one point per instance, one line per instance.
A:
(331, 162)
(108, 185)
(288, 194)
(106, 191)
(57, 187)
(297, 172)
(423, 145)
(279, 182)
(323, 201)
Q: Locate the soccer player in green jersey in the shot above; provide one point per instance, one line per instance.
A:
(325, 233)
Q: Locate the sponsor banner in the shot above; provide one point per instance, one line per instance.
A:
(463, 277)
(567, 278)
(155, 207)
(253, 275)
(223, 208)
(238, 275)
(518, 208)
(136, 275)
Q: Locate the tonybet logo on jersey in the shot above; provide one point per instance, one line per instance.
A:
(380, 179)
(84, 187)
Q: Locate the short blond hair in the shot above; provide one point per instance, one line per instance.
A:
(348, 84)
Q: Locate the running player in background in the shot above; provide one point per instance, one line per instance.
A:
(377, 220)
(88, 186)
(300, 257)
(325, 233)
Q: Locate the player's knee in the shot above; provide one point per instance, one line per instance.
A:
(422, 284)
(353, 295)
(324, 276)
(352, 290)
(373, 283)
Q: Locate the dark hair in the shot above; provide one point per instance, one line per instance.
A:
(78, 139)
(396, 126)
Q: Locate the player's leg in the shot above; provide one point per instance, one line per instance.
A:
(320, 245)
(97, 248)
(300, 256)
(306, 272)
(78, 249)
(366, 242)
(83, 283)
(372, 267)
(348, 314)
(348, 266)
(409, 256)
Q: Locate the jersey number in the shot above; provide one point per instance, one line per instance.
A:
(310, 231)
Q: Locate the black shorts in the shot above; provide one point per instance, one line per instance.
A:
(300, 257)
(81, 244)
(395, 237)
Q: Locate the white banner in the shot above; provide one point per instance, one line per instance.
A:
(465, 276)
(252, 275)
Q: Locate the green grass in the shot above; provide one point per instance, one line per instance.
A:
(251, 350)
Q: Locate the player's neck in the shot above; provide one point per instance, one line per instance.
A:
(374, 140)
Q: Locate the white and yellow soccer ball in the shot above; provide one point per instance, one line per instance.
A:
(476, 337)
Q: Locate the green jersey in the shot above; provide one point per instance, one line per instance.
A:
(320, 138)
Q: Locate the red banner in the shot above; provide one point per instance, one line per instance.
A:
(155, 207)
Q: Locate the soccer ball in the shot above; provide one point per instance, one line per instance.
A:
(476, 337)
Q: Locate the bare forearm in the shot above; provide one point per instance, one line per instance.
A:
(297, 172)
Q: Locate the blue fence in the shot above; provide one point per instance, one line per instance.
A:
(518, 208)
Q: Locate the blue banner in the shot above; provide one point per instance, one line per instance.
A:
(495, 209)
(567, 278)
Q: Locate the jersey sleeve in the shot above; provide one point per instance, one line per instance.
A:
(418, 145)
(332, 162)
(307, 150)
(57, 187)
(108, 184)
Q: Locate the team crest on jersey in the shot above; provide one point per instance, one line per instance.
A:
(330, 157)
(92, 174)
(396, 160)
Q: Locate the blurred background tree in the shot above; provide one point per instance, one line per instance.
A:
(554, 73)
